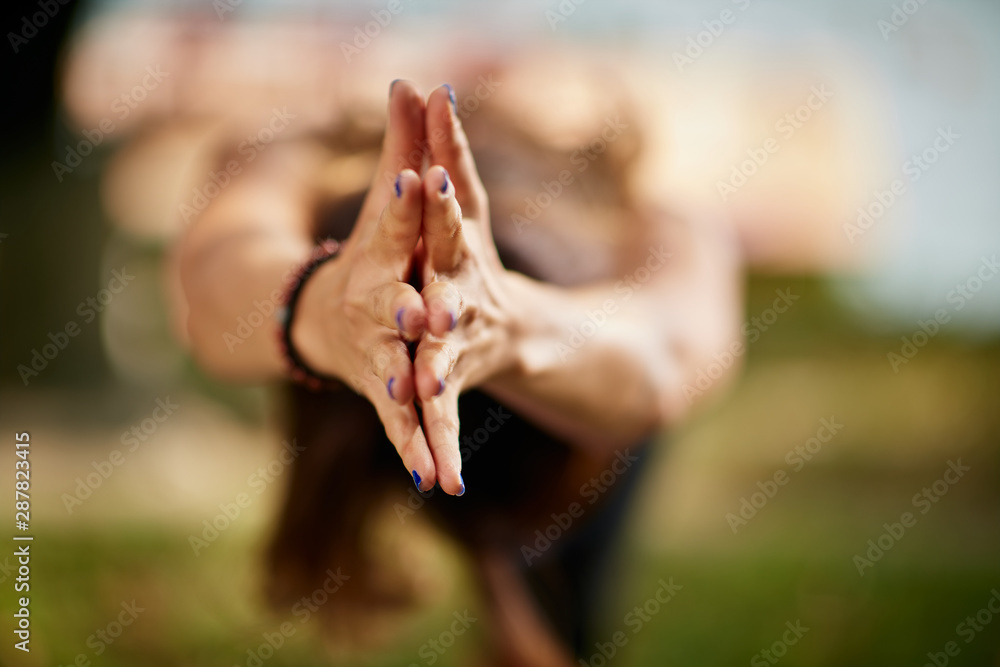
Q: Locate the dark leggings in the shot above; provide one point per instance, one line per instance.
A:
(510, 475)
(579, 580)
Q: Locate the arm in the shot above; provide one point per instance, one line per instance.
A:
(354, 313)
(513, 338)
(237, 258)
(608, 364)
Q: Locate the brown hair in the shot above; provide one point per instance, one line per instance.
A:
(349, 475)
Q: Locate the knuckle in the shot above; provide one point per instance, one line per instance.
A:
(380, 357)
(356, 382)
(378, 300)
(437, 307)
(390, 229)
(445, 430)
(400, 429)
(450, 355)
(393, 232)
(354, 307)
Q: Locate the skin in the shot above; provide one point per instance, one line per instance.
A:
(476, 324)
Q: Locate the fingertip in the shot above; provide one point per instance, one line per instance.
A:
(411, 320)
(422, 468)
(399, 222)
(425, 482)
(400, 388)
(406, 185)
(451, 97)
(451, 482)
(444, 307)
(438, 184)
(443, 104)
(441, 320)
(406, 90)
(429, 386)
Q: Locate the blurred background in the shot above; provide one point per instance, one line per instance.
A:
(881, 376)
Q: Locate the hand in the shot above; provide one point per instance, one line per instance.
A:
(356, 312)
(470, 322)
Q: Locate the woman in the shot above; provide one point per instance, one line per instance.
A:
(420, 331)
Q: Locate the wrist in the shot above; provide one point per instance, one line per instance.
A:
(308, 302)
(526, 330)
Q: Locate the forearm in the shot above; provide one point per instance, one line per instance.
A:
(607, 365)
(592, 380)
(235, 263)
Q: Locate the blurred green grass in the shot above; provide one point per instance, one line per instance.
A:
(791, 562)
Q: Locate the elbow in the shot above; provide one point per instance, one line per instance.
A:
(702, 372)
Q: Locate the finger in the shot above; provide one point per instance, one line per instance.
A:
(395, 236)
(402, 147)
(432, 365)
(402, 427)
(441, 426)
(444, 306)
(399, 306)
(389, 361)
(449, 147)
(442, 221)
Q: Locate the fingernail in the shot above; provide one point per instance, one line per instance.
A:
(444, 186)
(416, 479)
(389, 388)
(454, 321)
(399, 188)
(440, 387)
(451, 96)
(393, 85)
(399, 319)
(461, 491)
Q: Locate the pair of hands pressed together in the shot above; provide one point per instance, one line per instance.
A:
(357, 312)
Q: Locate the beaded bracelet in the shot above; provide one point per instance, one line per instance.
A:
(297, 368)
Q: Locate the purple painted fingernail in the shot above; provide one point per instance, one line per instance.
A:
(399, 188)
(399, 319)
(451, 96)
(440, 387)
(444, 186)
(389, 387)
(454, 321)
(461, 491)
(416, 479)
